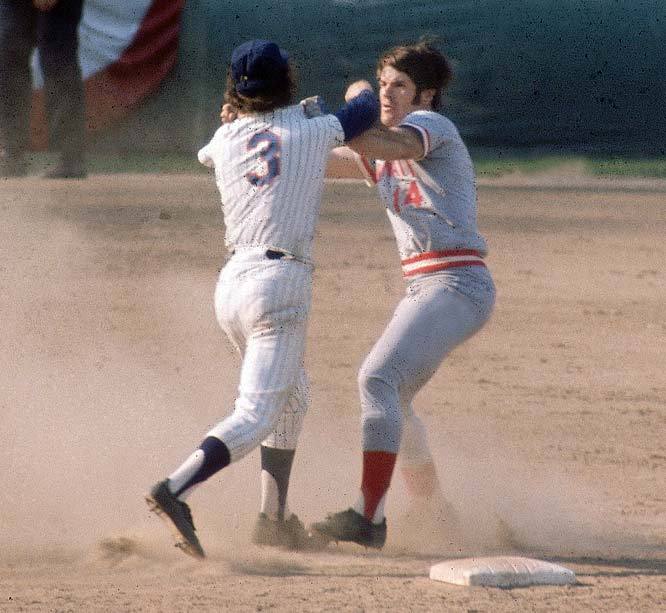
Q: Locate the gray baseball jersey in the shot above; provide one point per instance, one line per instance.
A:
(431, 202)
(432, 206)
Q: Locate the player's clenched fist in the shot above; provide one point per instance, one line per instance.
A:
(356, 88)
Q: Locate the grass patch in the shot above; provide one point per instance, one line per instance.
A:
(627, 167)
(496, 165)
(488, 164)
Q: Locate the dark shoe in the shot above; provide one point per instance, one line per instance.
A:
(352, 526)
(290, 534)
(12, 166)
(177, 515)
(68, 169)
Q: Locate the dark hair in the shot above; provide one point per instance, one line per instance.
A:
(279, 92)
(424, 64)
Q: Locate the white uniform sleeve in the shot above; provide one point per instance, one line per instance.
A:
(204, 158)
(434, 128)
(332, 127)
(206, 154)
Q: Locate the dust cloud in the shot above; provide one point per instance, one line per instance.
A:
(113, 369)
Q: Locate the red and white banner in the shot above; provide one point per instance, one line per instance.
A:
(125, 51)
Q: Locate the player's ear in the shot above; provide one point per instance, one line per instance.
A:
(228, 113)
(427, 96)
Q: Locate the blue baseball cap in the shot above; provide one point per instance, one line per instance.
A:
(256, 64)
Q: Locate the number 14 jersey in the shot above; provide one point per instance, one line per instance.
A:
(431, 202)
(269, 168)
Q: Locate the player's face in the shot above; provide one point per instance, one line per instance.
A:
(397, 95)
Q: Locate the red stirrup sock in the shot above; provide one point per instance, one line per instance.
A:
(377, 470)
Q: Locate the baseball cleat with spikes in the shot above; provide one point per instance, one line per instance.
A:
(353, 527)
(177, 515)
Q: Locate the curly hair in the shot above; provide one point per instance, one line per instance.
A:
(278, 93)
(424, 64)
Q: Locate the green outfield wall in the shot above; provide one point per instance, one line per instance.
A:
(570, 75)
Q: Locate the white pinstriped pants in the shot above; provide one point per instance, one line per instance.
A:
(263, 305)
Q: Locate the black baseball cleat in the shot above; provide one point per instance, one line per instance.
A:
(177, 515)
(288, 534)
(352, 526)
(67, 171)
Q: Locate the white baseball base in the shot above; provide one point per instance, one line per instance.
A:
(501, 571)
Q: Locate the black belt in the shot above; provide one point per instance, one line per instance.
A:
(271, 254)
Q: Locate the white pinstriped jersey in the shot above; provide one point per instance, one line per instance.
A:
(269, 168)
(431, 203)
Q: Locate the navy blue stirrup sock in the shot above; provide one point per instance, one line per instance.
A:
(216, 457)
(277, 463)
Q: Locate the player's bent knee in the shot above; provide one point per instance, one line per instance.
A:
(378, 387)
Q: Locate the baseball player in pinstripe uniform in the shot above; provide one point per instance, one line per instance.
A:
(269, 167)
(426, 182)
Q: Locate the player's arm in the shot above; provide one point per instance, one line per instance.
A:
(359, 113)
(381, 142)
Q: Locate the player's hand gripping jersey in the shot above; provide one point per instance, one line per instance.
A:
(431, 202)
(269, 169)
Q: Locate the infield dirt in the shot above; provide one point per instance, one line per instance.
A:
(548, 427)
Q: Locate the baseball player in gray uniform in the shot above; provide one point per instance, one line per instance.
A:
(426, 182)
(269, 168)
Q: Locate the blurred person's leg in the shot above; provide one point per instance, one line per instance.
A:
(17, 19)
(58, 42)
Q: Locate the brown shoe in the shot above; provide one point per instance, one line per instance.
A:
(12, 166)
(68, 169)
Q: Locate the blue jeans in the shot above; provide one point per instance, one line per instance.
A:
(55, 34)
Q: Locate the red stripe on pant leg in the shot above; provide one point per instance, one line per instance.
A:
(377, 470)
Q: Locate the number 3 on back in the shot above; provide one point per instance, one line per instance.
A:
(267, 145)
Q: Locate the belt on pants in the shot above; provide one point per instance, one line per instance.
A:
(433, 261)
(271, 254)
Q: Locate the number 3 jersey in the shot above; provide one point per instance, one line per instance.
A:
(431, 202)
(269, 168)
